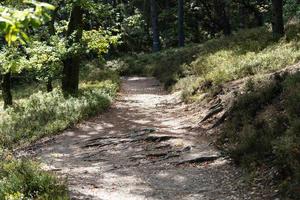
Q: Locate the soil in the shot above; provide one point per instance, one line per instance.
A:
(143, 147)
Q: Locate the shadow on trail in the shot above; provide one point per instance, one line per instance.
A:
(140, 149)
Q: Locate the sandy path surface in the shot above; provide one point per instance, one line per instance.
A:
(141, 148)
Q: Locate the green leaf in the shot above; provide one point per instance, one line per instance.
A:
(24, 36)
(41, 4)
(5, 20)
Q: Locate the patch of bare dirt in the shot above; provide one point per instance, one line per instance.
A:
(144, 147)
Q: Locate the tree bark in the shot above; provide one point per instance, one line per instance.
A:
(277, 22)
(49, 85)
(221, 9)
(167, 4)
(70, 79)
(51, 25)
(196, 31)
(181, 37)
(6, 90)
(155, 32)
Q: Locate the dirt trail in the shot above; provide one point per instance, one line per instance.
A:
(142, 148)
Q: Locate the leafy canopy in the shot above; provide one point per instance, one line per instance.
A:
(14, 22)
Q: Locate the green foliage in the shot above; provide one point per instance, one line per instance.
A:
(291, 9)
(21, 179)
(248, 52)
(263, 130)
(168, 66)
(46, 59)
(12, 60)
(93, 71)
(133, 32)
(13, 22)
(49, 113)
(42, 59)
(99, 41)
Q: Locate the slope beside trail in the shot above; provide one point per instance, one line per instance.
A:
(142, 148)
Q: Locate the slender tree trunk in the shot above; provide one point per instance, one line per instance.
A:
(154, 19)
(70, 80)
(52, 32)
(6, 90)
(114, 3)
(181, 37)
(259, 18)
(222, 11)
(226, 20)
(52, 22)
(243, 17)
(196, 31)
(49, 85)
(167, 4)
(147, 16)
(277, 22)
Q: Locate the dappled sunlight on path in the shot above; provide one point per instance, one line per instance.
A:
(141, 148)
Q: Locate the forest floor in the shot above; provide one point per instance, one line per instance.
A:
(143, 147)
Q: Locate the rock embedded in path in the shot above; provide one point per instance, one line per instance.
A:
(198, 157)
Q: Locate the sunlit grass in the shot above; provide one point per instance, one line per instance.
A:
(247, 53)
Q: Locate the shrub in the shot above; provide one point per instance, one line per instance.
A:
(21, 179)
(47, 113)
(264, 130)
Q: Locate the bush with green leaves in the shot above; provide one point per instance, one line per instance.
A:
(14, 22)
(291, 9)
(46, 60)
(47, 113)
(98, 42)
(23, 179)
(263, 131)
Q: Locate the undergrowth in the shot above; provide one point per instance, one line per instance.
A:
(47, 113)
(36, 114)
(23, 179)
(247, 52)
(263, 131)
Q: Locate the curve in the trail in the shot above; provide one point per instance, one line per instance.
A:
(142, 148)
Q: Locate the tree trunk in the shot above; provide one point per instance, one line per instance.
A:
(196, 31)
(222, 11)
(167, 4)
(277, 22)
(259, 18)
(243, 15)
(70, 79)
(52, 22)
(6, 90)
(181, 37)
(154, 19)
(49, 85)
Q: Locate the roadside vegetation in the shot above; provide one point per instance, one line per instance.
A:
(262, 132)
(23, 179)
(196, 67)
(61, 62)
(38, 113)
(34, 103)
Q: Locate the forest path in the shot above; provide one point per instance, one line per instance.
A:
(141, 148)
